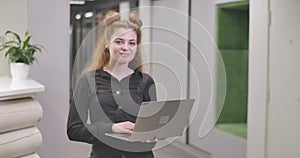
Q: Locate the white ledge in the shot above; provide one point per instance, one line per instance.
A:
(12, 89)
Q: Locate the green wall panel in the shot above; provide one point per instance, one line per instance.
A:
(235, 105)
(233, 28)
(232, 40)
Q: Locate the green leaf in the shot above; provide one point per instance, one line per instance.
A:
(11, 51)
(4, 47)
(20, 51)
(14, 58)
(26, 33)
(10, 42)
(16, 35)
(25, 44)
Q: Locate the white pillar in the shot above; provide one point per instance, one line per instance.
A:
(124, 8)
(145, 14)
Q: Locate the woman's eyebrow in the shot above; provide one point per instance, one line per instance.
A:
(125, 39)
(119, 39)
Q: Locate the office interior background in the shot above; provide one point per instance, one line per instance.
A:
(259, 41)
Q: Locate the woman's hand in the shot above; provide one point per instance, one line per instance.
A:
(154, 140)
(123, 127)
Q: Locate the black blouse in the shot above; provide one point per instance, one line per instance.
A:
(105, 100)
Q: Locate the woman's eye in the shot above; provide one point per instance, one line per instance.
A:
(132, 43)
(118, 42)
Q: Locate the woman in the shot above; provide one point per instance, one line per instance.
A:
(111, 90)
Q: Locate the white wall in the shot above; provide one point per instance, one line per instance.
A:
(283, 115)
(203, 54)
(258, 78)
(169, 49)
(48, 21)
(274, 111)
(13, 16)
(145, 13)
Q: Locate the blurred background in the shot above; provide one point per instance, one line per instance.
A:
(187, 45)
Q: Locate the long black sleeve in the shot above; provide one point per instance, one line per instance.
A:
(150, 90)
(77, 127)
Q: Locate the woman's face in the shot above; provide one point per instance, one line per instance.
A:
(123, 46)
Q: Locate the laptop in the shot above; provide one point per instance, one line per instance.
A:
(159, 119)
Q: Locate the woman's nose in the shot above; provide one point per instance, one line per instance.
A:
(125, 46)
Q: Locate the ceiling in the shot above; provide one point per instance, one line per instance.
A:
(97, 5)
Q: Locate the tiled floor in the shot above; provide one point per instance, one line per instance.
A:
(172, 151)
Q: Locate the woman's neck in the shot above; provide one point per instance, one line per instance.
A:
(118, 71)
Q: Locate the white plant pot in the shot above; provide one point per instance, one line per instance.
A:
(19, 71)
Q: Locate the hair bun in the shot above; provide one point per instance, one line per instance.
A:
(111, 17)
(135, 18)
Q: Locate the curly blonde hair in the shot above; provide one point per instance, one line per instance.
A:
(107, 26)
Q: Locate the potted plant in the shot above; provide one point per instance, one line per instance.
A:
(20, 54)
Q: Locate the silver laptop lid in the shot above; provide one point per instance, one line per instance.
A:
(162, 119)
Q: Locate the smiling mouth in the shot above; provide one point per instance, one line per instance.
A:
(124, 54)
